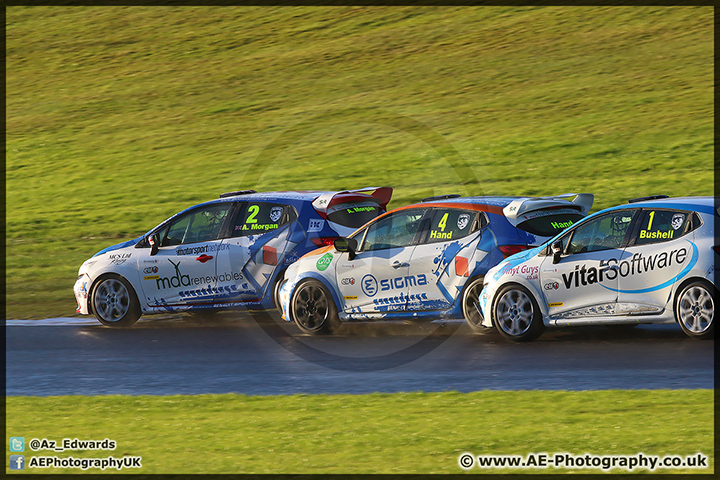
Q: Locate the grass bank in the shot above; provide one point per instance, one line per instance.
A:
(377, 433)
(118, 117)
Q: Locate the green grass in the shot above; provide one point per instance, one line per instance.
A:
(377, 433)
(118, 117)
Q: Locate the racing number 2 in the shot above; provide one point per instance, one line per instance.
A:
(254, 210)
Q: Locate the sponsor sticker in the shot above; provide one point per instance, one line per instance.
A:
(119, 258)
(315, 225)
(275, 214)
(369, 285)
(555, 304)
(677, 221)
(552, 286)
(324, 262)
(350, 297)
(348, 281)
(152, 277)
(463, 221)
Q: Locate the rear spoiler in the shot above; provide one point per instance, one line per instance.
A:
(517, 208)
(379, 195)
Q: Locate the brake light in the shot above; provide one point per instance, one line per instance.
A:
(323, 241)
(508, 250)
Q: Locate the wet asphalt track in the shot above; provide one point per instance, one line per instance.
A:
(233, 353)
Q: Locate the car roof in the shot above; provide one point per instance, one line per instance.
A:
(700, 204)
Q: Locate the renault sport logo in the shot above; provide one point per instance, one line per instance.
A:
(369, 285)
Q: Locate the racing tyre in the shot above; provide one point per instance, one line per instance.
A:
(516, 314)
(695, 309)
(114, 302)
(313, 308)
(471, 306)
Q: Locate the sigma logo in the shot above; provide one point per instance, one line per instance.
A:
(348, 281)
(552, 286)
(369, 285)
(149, 270)
(403, 282)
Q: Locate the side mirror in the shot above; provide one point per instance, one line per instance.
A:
(556, 249)
(154, 242)
(348, 245)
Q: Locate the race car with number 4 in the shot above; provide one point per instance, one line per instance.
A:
(226, 253)
(420, 262)
(652, 260)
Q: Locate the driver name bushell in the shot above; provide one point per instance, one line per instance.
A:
(609, 269)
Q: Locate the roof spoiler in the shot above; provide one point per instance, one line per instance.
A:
(581, 202)
(379, 195)
(239, 192)
(651, 197)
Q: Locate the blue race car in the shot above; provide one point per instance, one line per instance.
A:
(421, 262)
(225, 253)
(653, 260)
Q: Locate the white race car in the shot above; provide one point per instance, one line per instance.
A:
(650, 261)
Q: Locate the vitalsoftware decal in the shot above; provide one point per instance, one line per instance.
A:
(638, 264)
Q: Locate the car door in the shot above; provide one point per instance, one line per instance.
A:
(256, 246)
(440, 264)
(585, 280)
(183, 270)
(376, 280)
(659, 253)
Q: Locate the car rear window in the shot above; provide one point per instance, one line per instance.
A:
(355, 214)
(549, 223)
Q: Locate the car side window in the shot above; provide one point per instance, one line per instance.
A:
(449, 224)
(396, 230)
(661, 226)
(603, 233)
(256, 218)
(200, 225)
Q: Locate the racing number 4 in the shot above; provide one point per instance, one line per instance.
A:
(443, 222)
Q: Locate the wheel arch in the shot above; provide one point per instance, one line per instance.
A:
(96, 282)
(325, 282)
(539, 298)
(681, 286)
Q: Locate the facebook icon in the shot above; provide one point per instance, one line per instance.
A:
(17, 462)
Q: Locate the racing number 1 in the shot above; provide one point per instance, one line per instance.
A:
(652, 217)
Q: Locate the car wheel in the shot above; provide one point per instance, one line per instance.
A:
(516, 314)
(114, 302)
(471, 306)
(695, 309)
(313, 308)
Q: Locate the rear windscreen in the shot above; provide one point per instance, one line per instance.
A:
(354, 215)
(550, 224)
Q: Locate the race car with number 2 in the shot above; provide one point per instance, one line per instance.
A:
(226, 253)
